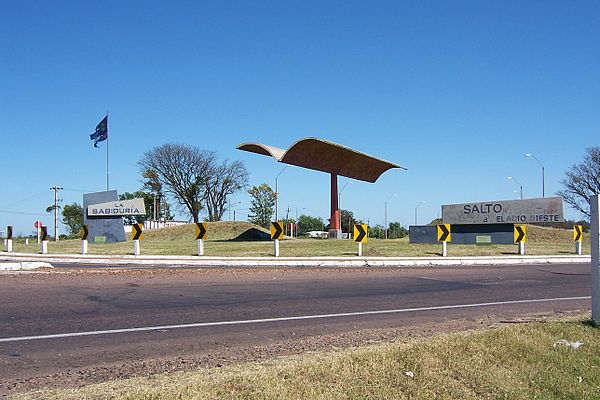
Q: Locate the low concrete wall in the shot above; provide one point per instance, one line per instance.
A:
(465, 234)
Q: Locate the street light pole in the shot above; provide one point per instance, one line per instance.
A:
(230, 206)
(543, 177)
(339, 197)
(277, 193)
(417, 212)
(517, 182)
(386, 223)
(340, 193)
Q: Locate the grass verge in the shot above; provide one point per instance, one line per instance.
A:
(228, 239)
(514, 362)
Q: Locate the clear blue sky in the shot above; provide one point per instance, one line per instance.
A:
(456, 91)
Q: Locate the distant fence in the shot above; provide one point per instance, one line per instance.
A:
(148, 225)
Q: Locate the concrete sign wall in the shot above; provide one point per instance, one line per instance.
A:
(103, 229)
(465, 234)
(549, 209)
(117, 208)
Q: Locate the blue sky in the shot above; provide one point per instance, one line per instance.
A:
(456, 92)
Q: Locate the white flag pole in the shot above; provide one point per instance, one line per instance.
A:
(107, 150)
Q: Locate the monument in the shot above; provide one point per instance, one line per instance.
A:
(322, 155)
(104, 212)
(490, 222)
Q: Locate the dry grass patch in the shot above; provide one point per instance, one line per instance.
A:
(516, 362)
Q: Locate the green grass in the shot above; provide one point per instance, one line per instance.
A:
(515, 362)
(229, 239)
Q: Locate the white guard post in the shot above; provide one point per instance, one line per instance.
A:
(360, 249)
(44, 247)
(84, 247)
(8, 245)
(200, 247)
(578, 249)
(595, 227)
(521, 248)
(276, 247)
(444, 249)
(136, 247)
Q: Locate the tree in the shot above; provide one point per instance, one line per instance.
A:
(396, 231)
(262, 204)
(226, 179)
(152, 183)
(148, 206)
(582, 181)
(306, 223)
(164, 210)
(73, 217)
(377, 231)
(159, 200)
(182, 170)
(348, 221)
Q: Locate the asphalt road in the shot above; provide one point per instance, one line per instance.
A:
(210, 317)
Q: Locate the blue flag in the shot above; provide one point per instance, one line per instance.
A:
(101, 133)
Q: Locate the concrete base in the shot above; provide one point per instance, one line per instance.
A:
(107, 229)
(335, 234)
(464, 234)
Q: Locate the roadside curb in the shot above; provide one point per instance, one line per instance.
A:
(290, 262)
(23, 266)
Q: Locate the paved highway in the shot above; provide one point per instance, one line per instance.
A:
(70, 327)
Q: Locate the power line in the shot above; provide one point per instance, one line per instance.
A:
(35, 195)
(79, 190)
(20, 212)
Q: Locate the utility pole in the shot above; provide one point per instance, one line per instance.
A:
(159, 209)
(56, 189)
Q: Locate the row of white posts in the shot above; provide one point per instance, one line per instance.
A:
(8, 242)
(444, 236)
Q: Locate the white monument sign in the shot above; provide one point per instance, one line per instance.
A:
(548, 209)
(117, 208)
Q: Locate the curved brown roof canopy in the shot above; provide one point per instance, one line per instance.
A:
(321, 155)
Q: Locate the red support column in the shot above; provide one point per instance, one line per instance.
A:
(335, 230)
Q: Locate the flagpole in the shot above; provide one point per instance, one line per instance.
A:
(107, 151)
